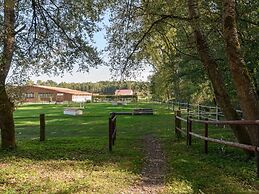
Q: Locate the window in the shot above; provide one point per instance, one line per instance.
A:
(45, 95)
(29, 95)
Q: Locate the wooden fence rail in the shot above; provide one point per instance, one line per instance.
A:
(113, 120)
(113, 127)
(188, 132)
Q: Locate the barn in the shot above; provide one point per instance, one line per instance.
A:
(37, 93)
(124, 92)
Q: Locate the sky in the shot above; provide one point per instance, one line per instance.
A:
(101, 73)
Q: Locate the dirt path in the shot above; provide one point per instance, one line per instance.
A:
(153, 172)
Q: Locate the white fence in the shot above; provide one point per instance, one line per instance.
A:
(212, 113)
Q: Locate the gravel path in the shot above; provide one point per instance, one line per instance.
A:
(153, 172)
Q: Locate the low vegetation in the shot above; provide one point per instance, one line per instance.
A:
(75, 157)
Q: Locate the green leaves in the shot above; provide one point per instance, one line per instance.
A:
(159, 33)
(56, 35)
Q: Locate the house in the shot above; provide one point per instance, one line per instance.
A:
(37, 93)
(124, 95)
(124, 92)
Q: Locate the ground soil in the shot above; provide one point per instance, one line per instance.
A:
(153, 172)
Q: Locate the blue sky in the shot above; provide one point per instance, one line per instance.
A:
(101, 73)
(95, 74)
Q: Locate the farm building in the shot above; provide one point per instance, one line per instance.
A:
(124, 92)
(123, 95)
(36, 93)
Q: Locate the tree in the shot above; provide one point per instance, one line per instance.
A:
(43, 36)
(50, 83)
(6, 106)
(139, 23)
(215, 76)
(248, 26)
(246, 90)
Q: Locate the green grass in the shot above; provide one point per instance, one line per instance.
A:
(75, 158)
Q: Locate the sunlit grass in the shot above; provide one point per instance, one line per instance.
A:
(75, 158)
(70, 176)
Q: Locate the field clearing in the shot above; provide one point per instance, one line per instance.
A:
(75, 158)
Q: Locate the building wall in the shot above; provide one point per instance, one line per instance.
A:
(77, 98)
(34, 94)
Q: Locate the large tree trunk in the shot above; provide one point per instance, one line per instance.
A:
(6, 119)
(246, 92)
(214, 74)
(6, 107)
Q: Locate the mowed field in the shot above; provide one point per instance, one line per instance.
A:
(75, 157)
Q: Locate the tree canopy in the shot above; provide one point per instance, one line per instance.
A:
(198, 44)
(159, 33)
(49, 36)
(52, 36)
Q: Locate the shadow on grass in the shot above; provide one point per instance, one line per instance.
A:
(75, 155)
(69, 165)
(78, 149)
(220, 171)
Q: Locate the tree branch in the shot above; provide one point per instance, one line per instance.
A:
(249, 21)
(143, 37)
(21, 29)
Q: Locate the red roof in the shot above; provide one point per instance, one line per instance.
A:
(124, 92)
(63, 90)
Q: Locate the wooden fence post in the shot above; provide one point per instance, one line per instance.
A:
(42, 127)
(187, 131)
(175, 123)
(178, 124)
(199, 111)
(110, 132)
(206, 135)
(217, 113)
(113, 129)
(190, 130)
(257, 162)
(188, 108)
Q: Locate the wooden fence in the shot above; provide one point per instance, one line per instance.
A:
(42, 124)
(42, 127)
(113, 120)
(188, 132)
(112, 130)
(199, 111)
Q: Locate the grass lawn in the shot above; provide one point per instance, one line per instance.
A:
(75, 157)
